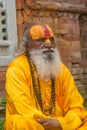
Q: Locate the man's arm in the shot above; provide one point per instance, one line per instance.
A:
(20, 94)
(72, 103)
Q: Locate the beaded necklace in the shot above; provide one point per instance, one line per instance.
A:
(37, 91)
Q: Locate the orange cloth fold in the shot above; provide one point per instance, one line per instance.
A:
(69, 110)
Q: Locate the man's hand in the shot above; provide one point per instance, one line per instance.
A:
(50, 124)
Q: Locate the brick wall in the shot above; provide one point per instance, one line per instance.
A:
(65, 23)
(2, 81)
(65, 19)
(83, 31)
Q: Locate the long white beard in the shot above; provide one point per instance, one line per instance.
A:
(48, 65)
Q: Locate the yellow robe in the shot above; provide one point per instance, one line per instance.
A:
(21, 108)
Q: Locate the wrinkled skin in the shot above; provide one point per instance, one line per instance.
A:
(50, 124)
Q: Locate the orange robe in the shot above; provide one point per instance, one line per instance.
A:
(21, 108)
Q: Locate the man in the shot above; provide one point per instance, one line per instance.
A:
(40, 91)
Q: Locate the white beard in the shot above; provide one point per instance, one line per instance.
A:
(48, 65)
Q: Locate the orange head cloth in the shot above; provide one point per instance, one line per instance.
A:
(40, 31)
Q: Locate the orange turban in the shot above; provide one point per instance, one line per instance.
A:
(40, 31)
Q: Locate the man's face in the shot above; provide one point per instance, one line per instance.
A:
(42, 38)
(43, 51)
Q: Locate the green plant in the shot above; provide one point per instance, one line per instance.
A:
(2, 123)
(84, 95)
(3, 101)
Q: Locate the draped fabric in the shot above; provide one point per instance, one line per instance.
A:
(21, 108)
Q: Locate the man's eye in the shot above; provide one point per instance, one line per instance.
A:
(52, 39)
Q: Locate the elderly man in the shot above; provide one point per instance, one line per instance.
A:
(40, 90)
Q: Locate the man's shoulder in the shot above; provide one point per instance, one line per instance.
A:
(18, 65)
(18, 61)
(65, 68)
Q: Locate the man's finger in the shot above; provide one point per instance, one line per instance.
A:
(42, 120)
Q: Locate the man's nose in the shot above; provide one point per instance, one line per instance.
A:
(47, 42)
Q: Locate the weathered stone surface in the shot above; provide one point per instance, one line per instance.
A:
(8, 31)
(19, 4)
(56, 6)
(68, 1)
(78, 77)
(63, 32)
(83, 29)
(20, 31)
(76, 71)
(75, 65)
(3, 30)
(30, 2)
(2, 81)
(28, 12)
(19, 17)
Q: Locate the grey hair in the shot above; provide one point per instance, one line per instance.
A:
(25, 39)
(22, 49)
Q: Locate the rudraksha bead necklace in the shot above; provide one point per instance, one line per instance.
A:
(37, 91)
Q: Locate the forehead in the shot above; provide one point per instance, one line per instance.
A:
(39, 31)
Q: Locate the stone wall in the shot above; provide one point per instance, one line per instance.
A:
(83, 37)
(64, 18)
(8, 38)
(3, 31)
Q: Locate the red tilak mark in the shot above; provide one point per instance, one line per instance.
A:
(46, 31)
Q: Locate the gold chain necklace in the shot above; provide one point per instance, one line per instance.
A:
(37, 91)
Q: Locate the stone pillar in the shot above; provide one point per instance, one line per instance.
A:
(8, 38)
(8, 31)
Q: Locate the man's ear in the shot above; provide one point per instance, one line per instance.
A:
(27, 46)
